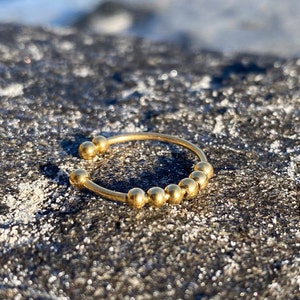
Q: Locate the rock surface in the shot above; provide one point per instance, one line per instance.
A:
(237, 239)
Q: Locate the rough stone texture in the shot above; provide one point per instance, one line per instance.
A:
(237, 239)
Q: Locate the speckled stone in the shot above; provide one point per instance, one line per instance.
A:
(239, 239)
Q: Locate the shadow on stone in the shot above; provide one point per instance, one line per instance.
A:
(3, 209)
(239, 69)
(54, 173)
(161, 172)
(70, 145)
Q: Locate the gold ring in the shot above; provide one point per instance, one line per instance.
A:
(187, 188)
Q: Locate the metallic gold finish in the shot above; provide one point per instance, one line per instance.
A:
(201, 178)
(190, 187)
(136, 197)
(87, 150)
(158, 137)
(205, 167)
(101, 144)
(78, 178)
(157, 196)
(174, 194)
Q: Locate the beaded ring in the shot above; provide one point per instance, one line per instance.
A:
(187, 188)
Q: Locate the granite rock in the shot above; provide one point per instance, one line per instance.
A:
(239, 239)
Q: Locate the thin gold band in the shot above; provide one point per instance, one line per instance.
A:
(156, 196)
(158, 137)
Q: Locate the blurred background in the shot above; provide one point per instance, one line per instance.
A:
(258, 26)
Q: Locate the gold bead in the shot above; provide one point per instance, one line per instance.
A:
(201, 178)
(101, 143)
(136, 198)
(190, 187)
(174, 194)
(87, 150)
(78, 178)
(156, 196)
(205, 167)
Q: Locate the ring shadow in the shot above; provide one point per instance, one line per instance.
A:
(52, 171)
(161, 172)
(70, 146)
